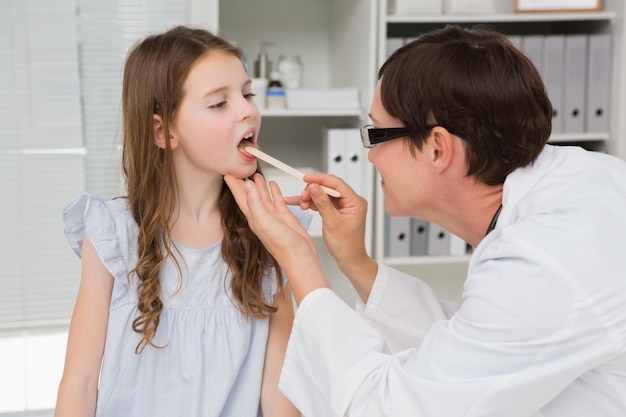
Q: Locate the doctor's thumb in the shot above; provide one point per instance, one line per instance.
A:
(315, 190)
(322, 201)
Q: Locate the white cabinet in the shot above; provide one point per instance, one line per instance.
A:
(394, 29)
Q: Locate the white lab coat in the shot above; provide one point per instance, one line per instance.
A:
(541, 330)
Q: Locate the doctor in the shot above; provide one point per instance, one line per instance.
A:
(460, 124)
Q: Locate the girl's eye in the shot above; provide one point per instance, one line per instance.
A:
(218, 105)
(249, 96)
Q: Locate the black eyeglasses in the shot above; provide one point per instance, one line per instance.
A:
(372, 136)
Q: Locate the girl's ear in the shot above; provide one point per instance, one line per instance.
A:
(158, 131)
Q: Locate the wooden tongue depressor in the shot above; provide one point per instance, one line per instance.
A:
(286, 168)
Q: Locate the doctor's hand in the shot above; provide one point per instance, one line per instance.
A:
(280, 232)
(343, 227)
(343, 218)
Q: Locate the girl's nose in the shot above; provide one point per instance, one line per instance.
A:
(249, 109)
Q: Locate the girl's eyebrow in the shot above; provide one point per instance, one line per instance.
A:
(221, 89)
(214, 91)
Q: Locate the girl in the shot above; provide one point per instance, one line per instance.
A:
(181, 311)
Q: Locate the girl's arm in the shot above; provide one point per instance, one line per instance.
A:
(273, 402)
(85, 346)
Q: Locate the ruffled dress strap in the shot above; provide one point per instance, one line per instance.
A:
(89, 215)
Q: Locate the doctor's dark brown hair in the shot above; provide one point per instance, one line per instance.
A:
(480, 87)
(155, 71)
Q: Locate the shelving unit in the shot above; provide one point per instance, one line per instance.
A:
(328, 36)
(445, 272)
(606, 21)
(312, 113)
(343, 42)
(336, 41)
(505, 17)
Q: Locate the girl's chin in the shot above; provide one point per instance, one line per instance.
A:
(243, 174)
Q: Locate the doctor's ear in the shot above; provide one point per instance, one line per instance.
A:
(158, 132)
(442, 147)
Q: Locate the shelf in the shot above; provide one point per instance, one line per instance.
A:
(311, 112)
(504, 17)
(579, 137)
(431, 260)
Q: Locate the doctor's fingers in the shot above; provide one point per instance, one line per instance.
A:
(334, 182)
(276, 226)
(270, 219)
(349, 199)
(238, 189)
(336, 212)
(265, 208)
(253, 198)
(281, 210)
(247, 192)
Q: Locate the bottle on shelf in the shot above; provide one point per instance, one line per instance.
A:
(290, 69)
(276, 97)
(263, 65)
(262, 68)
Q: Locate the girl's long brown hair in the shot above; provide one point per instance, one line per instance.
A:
(154, 73)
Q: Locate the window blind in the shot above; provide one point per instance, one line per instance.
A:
(61, 66)
(107, 30)
(41, 160)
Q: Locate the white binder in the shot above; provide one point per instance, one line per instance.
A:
(343, 155)
(575, 81)
(516, 40)
(598, 82)
(397, 236)
(399, 7)
(419, 237)
(347, 158)
(532, 45)
(478, 6)
(553, 70)
(334, 152)
(392, 44)
(458, 246)
(356, 164)
(438, 240)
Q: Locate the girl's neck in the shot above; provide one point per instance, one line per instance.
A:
(196, 222)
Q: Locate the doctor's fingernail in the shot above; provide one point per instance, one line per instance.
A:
(315, 189)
